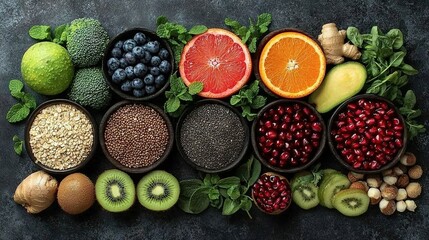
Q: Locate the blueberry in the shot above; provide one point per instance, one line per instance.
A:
(123, 63)
(138, 92)
(155, 61)
(152, 47)
(118, 76)
(150, 89)
(165, 66)
(129, 57)
(119, 44)
(140, 70)
(164, 54)
(129, 45)
(159, 81)
(147, 57)
(126, 86)
(138, 52)
(130, 72)
(137, 83)
(149, 79)
(116, 52)
(140, 38)
(113, 63)
(154, 71)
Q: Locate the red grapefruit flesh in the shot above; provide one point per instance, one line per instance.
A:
(219, 60)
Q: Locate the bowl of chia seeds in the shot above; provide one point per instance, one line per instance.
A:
(211, 136)
(61, 136)
(136, 137)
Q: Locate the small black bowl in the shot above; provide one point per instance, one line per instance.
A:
(115, 162)
(184, 155)
(127, 34)
(333, 145)
(316, 153)
(31, 121)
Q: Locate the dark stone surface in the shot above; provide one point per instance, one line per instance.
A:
(16, 17)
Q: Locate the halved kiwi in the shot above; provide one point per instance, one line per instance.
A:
(351, 202)
(305, 196)
(158, 190)
(330, 185)
(115, 190)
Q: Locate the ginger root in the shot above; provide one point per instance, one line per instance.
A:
(332, 41)
(36, 192)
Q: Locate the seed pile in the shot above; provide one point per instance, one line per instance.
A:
(212, 136)
(136, 135)
(61, 136)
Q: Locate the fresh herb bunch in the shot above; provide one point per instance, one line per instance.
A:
(176, 35)
(43, 33)
(27, 102)
(248, 99)
(250, 35)
(314, 178)
(17, 144)
(228, 194)
(178, 94)
(383, 56)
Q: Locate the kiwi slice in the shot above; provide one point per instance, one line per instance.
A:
(115, 190)
(158, 190)
(305, 196)
(351, 202)
(330, 185)
(298, 177)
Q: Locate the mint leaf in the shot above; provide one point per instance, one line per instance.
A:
(264, 20)
(17, 144)
(161, 20)
(15, 88)
(195, 88)
(233, 24)
(235, 100)
(186, 97)
(172, 104)
(29, 100)
(40, 32)
(258, 102)
(197, 29)
(58, 34)
(176, 84)
(17, 112)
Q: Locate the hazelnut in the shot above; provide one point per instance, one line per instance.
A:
(402, 194)
(387, 172)
(403, 181)
(390, 179)
(411, 205)
(374, 181)
(387, 207)
(358, 185)
(415, 172)
(401, 206)
(398, 170)
(389, 192)
(353, 176)
(374, 195)
(408, 159)
(414, 190)
(382, 186)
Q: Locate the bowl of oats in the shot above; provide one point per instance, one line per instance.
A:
(60, 136)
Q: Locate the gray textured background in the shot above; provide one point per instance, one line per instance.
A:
(16, 17)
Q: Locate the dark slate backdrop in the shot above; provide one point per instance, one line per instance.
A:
(16, 17)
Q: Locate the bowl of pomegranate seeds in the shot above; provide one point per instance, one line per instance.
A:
(288, 135)
(367, 134)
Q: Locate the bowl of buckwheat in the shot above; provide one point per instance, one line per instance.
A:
(61, 136)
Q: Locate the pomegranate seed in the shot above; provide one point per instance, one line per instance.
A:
(279, 143)
(284, 126)
(317, 127)
(268, 124)
(398, 142)
(276, 117)
(370, 122)
(271, 134)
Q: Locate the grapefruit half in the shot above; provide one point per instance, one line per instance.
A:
(219, 60)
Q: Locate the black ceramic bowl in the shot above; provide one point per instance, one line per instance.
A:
(31, 151)
(113, 160)
(369, 138)
(127, 34)
(290, 140)
(210, 145)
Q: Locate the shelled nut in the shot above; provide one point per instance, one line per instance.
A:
(374, 195)
(374, 181)
(403, 181)
(353, 176)
(415, 172)
(411, 205)
(358, 185)
(402, 194)
(414, 190)
(398, 170)
(408, 159)
(389, 192)
(390, 179)
(387, 207)
(401, 206)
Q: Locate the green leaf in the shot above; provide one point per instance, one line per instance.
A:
(40, 32)
(199, 201)
(408, 69)
(233, 24)
(17, 112)
(255, 172)
(230, 206)
(250, 116)
(409, 99)
(213, 194)
(258, 102)
(183, 203)
(245, 204)
(176, 84)
(161, 20)
(58, 34)
(235, 100)
(29, 101)
(252, 45)
(233, 192)
(396, 37)
(396, 59)
(354, 36)
(172, 104)
(254, 87)
(244, 170)
(15, 88)
(197, 29)
(17, 144)
(188, 187)
(264, 20)
(186, 97)
(214, 179)
(207, 180)
(195, 88)
(228, 182)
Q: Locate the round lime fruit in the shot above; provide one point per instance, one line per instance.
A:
(47, 68)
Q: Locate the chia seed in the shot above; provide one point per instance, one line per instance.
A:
(212, 136)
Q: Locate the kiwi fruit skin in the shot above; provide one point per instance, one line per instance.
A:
(305, 196)
(76, 193)
(158, 190)
(334, 183)
(115, 190)
(351, 202)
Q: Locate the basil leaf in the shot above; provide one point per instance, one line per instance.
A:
(233, 192)
(230, 206)
(214, 179)
(188, 187)
(255, 172)
(228, 182)
(213, 194)
(245, 204)
(199, 200)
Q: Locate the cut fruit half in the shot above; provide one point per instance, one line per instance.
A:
(351, 202)
(219, 60)
(292, 64)
(330, 185)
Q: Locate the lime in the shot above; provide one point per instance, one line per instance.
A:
(47, 68)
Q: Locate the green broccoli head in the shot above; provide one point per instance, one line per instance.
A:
(86, 41)
(90, 89)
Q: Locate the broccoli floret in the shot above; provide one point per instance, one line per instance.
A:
(86, 41)
(90, 89)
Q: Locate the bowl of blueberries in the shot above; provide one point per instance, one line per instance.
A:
(137, 64)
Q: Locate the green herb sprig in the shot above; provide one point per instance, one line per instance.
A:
(177, 35)
(178, 94)
(228, 194)
(27, 102)
(251, 34)
(43, 33)
(383, 56)
(17, 144)
(248, 99)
